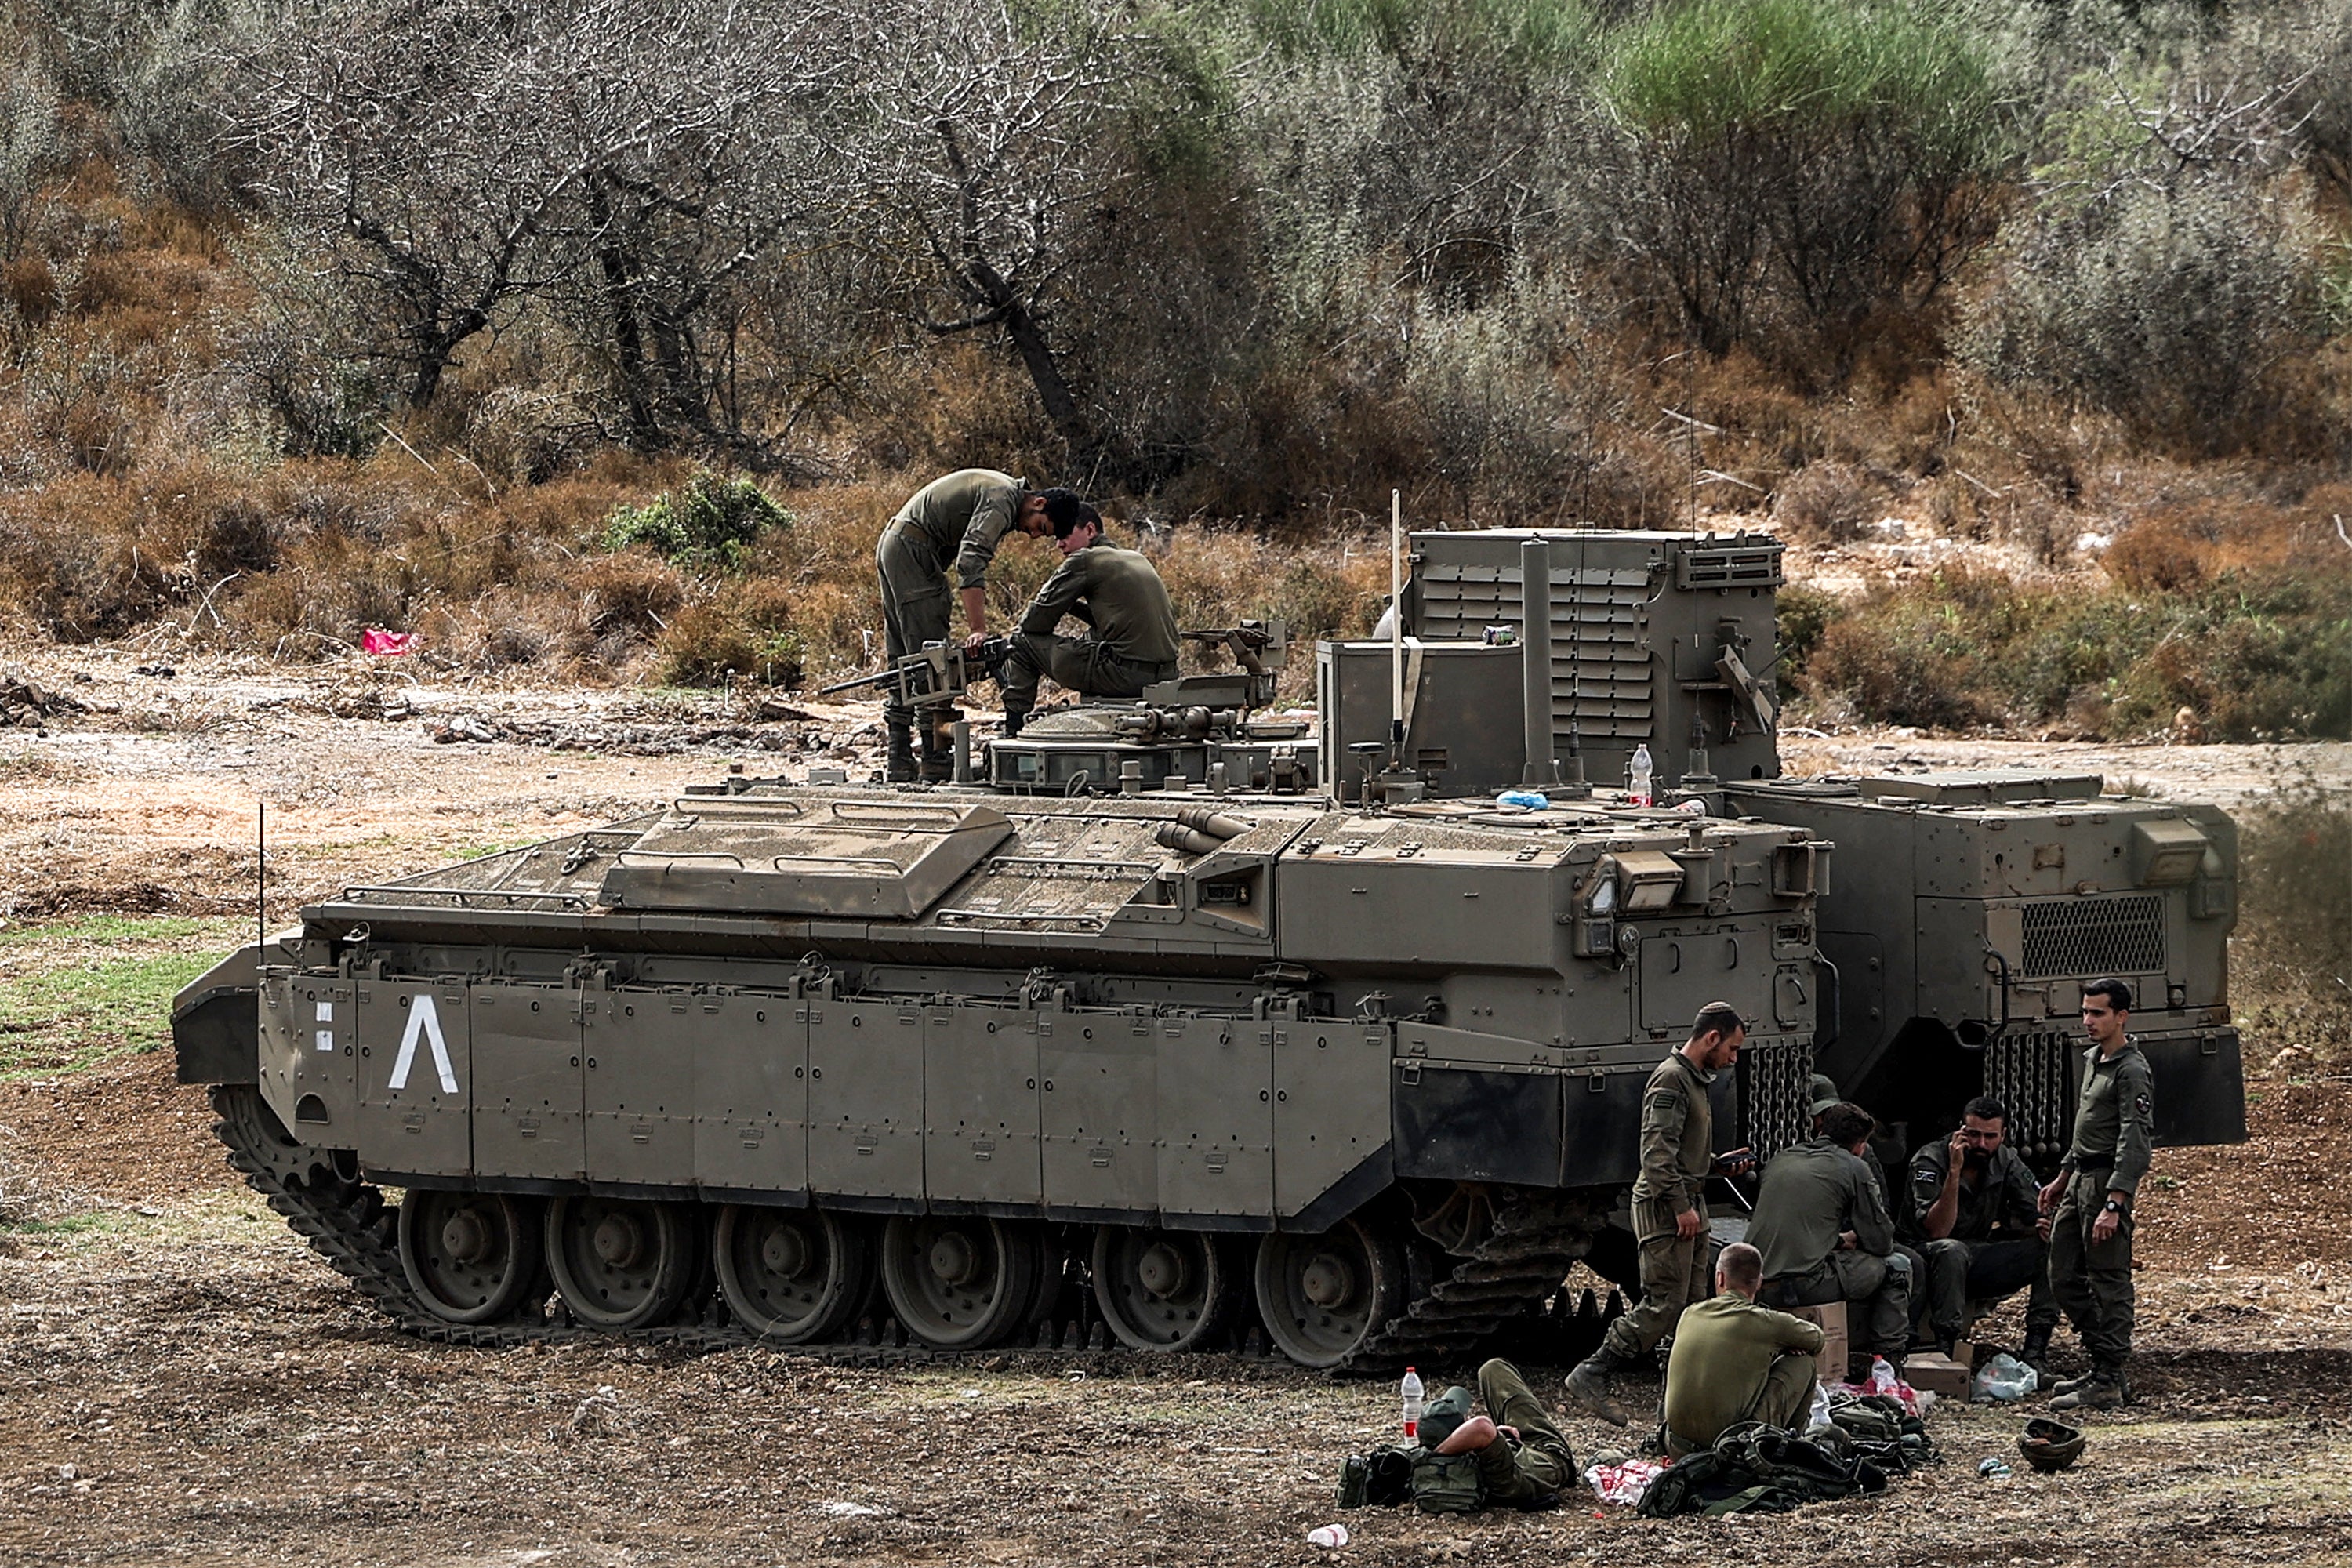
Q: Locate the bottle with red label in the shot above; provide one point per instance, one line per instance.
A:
(1414, 1403)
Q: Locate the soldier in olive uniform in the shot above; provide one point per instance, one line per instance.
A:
(1823, 1229)
(1669, 1203)
(2090, 1200)
(959, 519)
(1523, 1460)
(1974, 1208)
(1119, 594)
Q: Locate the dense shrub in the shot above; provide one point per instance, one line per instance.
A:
(2172, 310)
(709, 522)
(1800, 166)
(745, 634)
(2291, 958)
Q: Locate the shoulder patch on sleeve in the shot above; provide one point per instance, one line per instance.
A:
(2142, 1104)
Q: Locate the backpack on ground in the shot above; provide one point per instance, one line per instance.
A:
(1755, 1469)
(1447, 1483)
(1381, 1478)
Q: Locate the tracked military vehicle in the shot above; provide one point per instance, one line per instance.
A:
(1967, 909)
(1203, 1020)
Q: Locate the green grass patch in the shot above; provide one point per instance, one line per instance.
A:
(64, 1226)
(78, 992)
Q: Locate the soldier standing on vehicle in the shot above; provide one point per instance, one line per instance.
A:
(960, 520)
(1669, 1203)
(1119, 594)
(2090, 1200)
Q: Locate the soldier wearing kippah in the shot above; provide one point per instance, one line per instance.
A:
(1669, 1203)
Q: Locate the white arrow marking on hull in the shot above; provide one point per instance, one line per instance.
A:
(424, 1019)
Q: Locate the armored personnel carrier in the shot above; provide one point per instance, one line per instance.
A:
(1967, 909)
(1205, 1019)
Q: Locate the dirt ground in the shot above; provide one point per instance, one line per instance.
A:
(180, 1382)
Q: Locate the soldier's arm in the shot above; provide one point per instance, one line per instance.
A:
(1062, 591)
(1936, 1196)
(2020, 1204)
(1663, 1112)
(1873, 1232)
(2135, 1127)
(1793, 1333)
(982, 535)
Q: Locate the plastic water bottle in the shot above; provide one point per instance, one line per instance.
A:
(1414, 1401)
(1638, 785)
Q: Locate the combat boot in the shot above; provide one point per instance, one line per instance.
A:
(1589, 1386)
(2105, 1389)
(898, 762)
(2075, 1384)
(1013, 722)
(939, 759)
(2035, 1351)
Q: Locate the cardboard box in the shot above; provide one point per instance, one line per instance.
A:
(1830, 1319)
(1945, 1376)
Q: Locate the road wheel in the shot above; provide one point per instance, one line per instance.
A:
(1166, 1289)
(792, 1275)
(960, 1282)
(1322, 1296)
(472, 1257)
(621, 1263)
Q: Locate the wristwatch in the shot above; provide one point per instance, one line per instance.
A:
(2113, 1207)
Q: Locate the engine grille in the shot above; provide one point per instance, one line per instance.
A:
(1772, 1100)
(2094, 936)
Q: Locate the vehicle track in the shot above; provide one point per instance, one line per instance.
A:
(1513, 1280)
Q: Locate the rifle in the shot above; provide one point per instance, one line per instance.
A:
(933, 678)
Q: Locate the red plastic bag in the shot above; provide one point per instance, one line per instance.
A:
(376, 640)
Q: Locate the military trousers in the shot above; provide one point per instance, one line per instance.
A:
(1543, 1464)
(1675, 1271)
(1960, 1272)
(1083, 665)
(1879, 1286)
(2093, 1279)
(916, 609)
(1784, 1399)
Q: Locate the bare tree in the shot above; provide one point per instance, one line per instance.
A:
(986, 141)
(435, 145)
(680, 227)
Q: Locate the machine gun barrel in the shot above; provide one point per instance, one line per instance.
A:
(936, 676)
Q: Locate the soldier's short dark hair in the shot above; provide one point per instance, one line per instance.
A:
(1985, 1108)
(1846, 1123)
(1064, 510)
(1742, 1268)
(2117, 994)
(1716, 1018)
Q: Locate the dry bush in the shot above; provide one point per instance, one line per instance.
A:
(2291, 957)
(1830, 503)
(744, 633)
(958, 406)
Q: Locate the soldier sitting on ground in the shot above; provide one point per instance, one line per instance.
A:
(1118, 592)
(1825, 1236)
(1734, 1360)
(1975, 1206)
